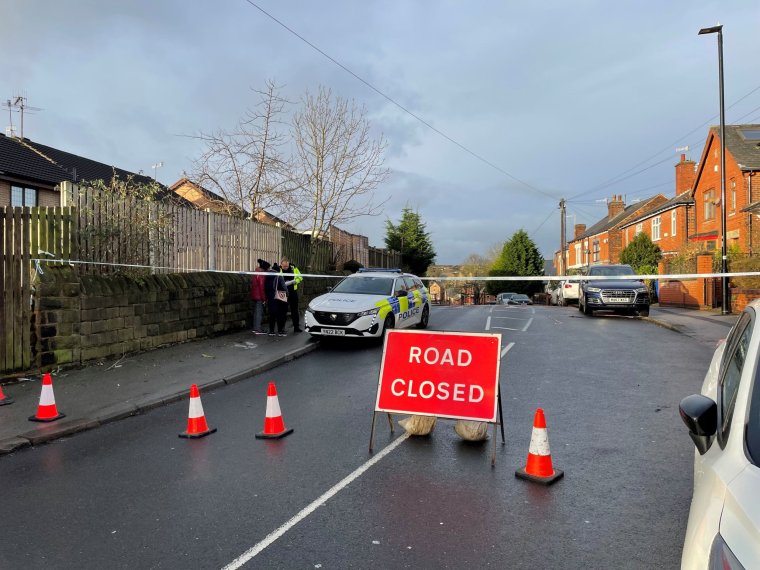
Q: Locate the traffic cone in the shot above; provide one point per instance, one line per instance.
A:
(196, 421)
(274, 427)
(539, 466)
(4, 400)
(47, 411)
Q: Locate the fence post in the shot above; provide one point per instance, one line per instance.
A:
(210, 240)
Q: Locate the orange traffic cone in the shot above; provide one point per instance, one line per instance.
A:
(274, 427)
(196, 421)
(47, 411)
(4, 400)
(539, 467)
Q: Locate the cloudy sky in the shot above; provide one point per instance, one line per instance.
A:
(581, 99)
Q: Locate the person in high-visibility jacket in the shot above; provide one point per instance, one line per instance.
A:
(287, 269)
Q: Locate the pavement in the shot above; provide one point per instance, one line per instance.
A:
(114, 389)
(705, 326)
(117, 388)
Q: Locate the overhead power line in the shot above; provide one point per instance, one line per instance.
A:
(399, 105)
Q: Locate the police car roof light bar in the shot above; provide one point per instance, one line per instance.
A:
(378, 269)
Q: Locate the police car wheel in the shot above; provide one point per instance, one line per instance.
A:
(388, 324)
(424, 318)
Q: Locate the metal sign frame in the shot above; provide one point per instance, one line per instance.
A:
(499, 419)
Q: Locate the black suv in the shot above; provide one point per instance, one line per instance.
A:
(625, 296)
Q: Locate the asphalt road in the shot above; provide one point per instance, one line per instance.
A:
(131, 494)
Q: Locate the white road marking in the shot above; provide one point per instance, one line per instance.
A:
(488, 324)
(491, 311)
(506, 329)
(505, 350)
(305, 512)
(525, 328)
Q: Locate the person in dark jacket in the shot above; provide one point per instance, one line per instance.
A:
(278, 309)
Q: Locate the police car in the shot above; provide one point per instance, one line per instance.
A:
(368, 303)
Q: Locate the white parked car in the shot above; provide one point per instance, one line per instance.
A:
(368, 303)
(723, 531)
(568, 292)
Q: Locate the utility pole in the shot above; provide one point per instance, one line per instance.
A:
(562, 244)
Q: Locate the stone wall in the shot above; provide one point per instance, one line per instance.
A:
(81, 318)
(78, 318)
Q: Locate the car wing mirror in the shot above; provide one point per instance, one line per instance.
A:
(400, 294)
(700, 414)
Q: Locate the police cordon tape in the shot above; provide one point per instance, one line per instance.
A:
(667, 277)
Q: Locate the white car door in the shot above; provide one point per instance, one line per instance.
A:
(725, 459)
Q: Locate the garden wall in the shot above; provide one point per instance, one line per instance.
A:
(77, 318)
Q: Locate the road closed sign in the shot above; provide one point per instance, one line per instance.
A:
(445, 374)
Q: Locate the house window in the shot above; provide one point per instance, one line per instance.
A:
(23, 197)
(578, 254)
(639, 228)
(595, 251)
(656, 228)
(673, 223)
(733, 196)
(709, 200)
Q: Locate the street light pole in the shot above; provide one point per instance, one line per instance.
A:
(725, 309)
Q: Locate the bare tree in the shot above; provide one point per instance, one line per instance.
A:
(337, 164)
(245, 166)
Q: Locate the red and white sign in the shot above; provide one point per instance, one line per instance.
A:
(453, 375)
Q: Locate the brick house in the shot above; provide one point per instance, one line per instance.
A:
(204, 199)
(742, 190)
(31, 173)
(670, 224)
(603, 242)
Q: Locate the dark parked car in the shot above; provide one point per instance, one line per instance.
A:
(519, 300)
(624, 296)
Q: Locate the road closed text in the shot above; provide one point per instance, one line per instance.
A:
(442, 390)
(444, 374)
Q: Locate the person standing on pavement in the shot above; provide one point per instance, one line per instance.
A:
(258, 295)
(293, 278)
(275, 289)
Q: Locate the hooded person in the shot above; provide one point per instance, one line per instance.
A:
(258, 294)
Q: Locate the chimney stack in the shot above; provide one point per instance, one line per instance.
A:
(686, 175)
(615, 206)
(579, 230)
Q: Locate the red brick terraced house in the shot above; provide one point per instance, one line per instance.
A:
(603, 242)
(742, 190)
(670, 224)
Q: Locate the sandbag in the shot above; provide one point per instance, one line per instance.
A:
(418, 425)
(470, 430)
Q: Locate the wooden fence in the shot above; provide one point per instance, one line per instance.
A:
(26, 234)
(117, 233)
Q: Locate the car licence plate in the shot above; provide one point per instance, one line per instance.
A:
(336, 332)
(617, 300)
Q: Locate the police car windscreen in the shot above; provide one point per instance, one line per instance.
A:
(366, 285)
